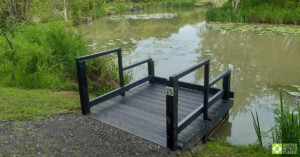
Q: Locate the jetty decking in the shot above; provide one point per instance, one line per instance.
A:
(165, 111)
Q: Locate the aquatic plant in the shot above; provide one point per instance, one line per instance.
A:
(257, 129)
(287, 128)
(260, 29)
(145, 16)
(291, 91)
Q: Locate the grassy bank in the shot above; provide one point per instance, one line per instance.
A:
(18, 103)
(155, 4)
(38, 48)
(258, 11)
(223, 148)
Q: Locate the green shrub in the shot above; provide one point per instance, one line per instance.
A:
(83, 8)
(43, 56)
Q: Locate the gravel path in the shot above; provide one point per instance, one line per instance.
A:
(72, 135)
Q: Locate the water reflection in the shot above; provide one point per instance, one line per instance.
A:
(103, 30)
(179, 42)
(225, 132)
(255, 61)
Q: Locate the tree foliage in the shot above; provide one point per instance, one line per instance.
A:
(14, 11)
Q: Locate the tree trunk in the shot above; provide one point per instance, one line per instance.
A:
(13, 75)
(9, 42)
(65, 10)
(26, 8)
(234, 4)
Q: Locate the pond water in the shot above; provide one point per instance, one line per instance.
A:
(259, 55)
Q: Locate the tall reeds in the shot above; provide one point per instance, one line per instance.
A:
(257, 128)
(287, 126)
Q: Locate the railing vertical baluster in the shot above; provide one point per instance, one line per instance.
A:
(226, 85)
(151, 70)
(83, 87)
(206, 91)
(172, 112)
(121, 70)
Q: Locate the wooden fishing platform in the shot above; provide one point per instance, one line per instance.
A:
(168, 112)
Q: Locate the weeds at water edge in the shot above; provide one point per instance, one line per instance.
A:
(257, 128)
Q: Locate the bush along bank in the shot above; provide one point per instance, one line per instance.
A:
(258, 11)
(76, 11)
(43, 56)
(40, 44)
(135, 5)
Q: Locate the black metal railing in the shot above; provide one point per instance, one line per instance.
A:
(83, 85)
(173, 127)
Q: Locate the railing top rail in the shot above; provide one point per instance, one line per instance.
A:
(137, 64)
(222, 75)
(190, 69)
(97, 54)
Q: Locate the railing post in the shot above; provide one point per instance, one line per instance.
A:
(172, 112)
(121, 70)
(206, 91)
(151, 70)
(83, 87)
(226, 85)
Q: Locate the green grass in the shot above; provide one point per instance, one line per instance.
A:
(225, 149)
(258, 11)
(18, 103)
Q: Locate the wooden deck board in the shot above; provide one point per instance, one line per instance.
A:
(142, 112)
